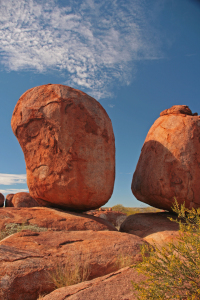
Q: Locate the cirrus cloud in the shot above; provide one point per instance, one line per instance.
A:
(9, 179)
(93, 43)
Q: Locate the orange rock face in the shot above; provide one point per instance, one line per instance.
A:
(152, 227)
(68, 144)
(116, 285)
(169, 164)
(54, 219)
(27, 258)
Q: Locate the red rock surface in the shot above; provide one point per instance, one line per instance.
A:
(152, 227)
(53, 219)
(114, 286)
(1, 199)
(27, 256)
(169, 164)
(24, 200)
(9, 200)
(68, 144)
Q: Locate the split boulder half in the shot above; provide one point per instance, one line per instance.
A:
(69, 148)
(169, 163)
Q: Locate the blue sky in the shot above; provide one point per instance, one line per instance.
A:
(136, 57)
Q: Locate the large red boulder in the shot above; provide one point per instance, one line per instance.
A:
(68, 144)
(169, 163)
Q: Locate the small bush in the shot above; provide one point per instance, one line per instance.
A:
(69, 274)
(173, 272)
(12, 228)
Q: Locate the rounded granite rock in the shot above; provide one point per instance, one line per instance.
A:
(169, 163)
(69, 148)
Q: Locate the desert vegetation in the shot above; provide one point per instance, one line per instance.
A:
(12, 228)
(69, 273)
(173, 272)
(134, 210)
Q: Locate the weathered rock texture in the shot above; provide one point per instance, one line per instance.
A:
(24, 200)
(52, 219)
(169, 164)
(27, 257)
(68, 144)
(1, 199)
(152, 227)
(116, 285)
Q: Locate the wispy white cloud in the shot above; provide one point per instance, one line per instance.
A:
(111, 105)
(9, 179)
(93, 43)
(13, 191)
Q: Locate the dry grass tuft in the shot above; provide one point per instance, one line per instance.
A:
(123, 261)
(14, 228)
(69, 274)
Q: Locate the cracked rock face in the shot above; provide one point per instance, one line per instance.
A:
(68, 144)
(169, 163)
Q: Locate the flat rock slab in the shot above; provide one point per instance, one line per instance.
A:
(27, 258)
(114, 286)
(152, 227)
(52, 218)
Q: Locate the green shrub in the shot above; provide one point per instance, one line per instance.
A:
(173, 272)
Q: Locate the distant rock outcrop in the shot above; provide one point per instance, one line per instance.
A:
(24, 200)
(9, 200)
(69, 148)
(169, 164)
(2, 198)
